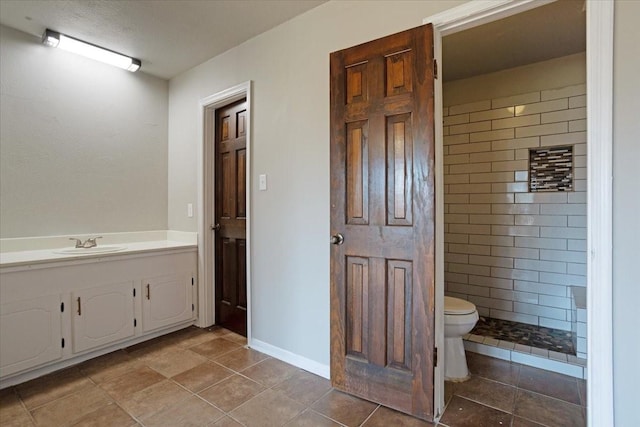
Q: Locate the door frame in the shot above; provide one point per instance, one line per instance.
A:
(206, 204)
(600, 26)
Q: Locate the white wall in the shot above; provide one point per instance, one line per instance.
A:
(289, 66)
(83, 145)
(626, 213)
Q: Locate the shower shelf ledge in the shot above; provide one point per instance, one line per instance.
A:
(525, 355)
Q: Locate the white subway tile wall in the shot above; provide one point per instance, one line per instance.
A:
(513, 253)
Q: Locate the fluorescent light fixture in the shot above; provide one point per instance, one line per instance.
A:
(62, 41)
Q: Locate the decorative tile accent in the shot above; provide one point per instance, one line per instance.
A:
(520, 333)
(551, 169)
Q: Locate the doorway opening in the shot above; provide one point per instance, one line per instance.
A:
(515, 183)
(230, 155)
(215, 218)
(599, 83)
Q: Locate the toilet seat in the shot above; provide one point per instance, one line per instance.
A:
(457, 306)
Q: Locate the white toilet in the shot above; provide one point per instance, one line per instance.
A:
(460, 317)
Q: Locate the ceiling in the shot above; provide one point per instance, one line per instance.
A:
(546, 32)
(172, 36)
(168, 36)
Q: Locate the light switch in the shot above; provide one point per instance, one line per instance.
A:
(262, 182)
(190, 210)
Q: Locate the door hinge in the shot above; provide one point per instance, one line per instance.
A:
(61, 307)
(62, 343)
(435, 357)
(135, 322)
(435, 68)
(134, 292)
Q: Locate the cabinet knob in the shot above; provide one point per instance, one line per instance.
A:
(79, 307)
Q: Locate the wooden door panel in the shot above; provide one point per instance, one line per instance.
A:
(357, 88)
(228, 183)
(357, 173)
(357, 307)
(399, 170)
(229, 272)
(382, 202)
(241, 183)
(231, 212)
(399, 73)
(241, 118)
(399, 291)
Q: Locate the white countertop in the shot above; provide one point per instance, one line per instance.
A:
(21, 258)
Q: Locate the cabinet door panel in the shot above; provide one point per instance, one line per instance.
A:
(30, 333)
(102, 315)
(166, 300)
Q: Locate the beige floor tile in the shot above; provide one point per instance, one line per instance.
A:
(550, 384)
(493, 369)
(582, 389)
(51, 387)
(227, 422)
(448, 391)
(270, 372)
(232, 392)
(304, 387)
(191, 412)
(270, 408)
(173, 361)
(521, 422)
(548, 411)
(12, 411)
(241, 358)
(145, 403)
(215, 348)
(110, 415)
(385, 417)
(310, 418)
(491, 393)
(149, 348)
(122, 387)
(202, 376)
(193, 336)
(346, 409)
(237, 338)
(71, 408)
(465, 413)
(109, 366)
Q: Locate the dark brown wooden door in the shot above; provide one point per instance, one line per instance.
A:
(230, 202)
(383, 204)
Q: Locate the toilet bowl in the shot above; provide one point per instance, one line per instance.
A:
(460, 317)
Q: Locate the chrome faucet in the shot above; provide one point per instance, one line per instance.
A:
(89, 243)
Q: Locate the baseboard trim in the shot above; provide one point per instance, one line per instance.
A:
(291, 358)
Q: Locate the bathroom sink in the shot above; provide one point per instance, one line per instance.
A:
(90, 251)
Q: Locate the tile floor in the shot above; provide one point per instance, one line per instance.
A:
(207, 378)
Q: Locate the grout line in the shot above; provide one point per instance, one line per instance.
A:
(323, 415)
(370, 415)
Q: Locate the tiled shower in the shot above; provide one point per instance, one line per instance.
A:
(515, 208)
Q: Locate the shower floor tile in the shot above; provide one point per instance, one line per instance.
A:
(524, 334)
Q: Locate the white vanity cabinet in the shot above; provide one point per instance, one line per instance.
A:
(166, 300)
(102, 315)
(57, 313)
(30, 333)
